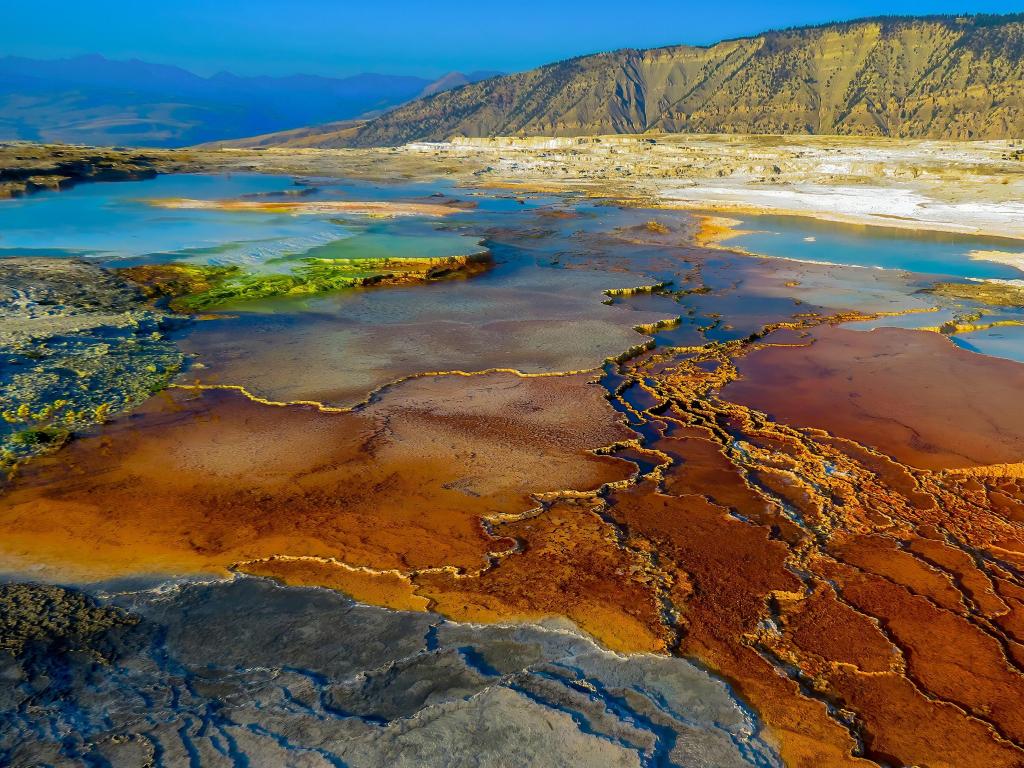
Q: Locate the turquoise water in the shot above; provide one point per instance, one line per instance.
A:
(933, 253)
(936, 255)
(1007, 342)
(1002, 341)
(506, 318)
(114, 224)
(538, 308)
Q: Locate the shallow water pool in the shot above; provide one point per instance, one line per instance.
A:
(937, 253)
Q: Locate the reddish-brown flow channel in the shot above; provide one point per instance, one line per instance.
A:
(834, 524)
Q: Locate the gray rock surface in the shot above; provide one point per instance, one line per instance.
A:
(77, 344)
(249, 673)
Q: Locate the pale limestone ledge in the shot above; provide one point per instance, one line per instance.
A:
(1000, 257)
(952, 186)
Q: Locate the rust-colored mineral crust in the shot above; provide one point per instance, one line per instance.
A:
(869, 609)
(841, 542)
(913, 396)
(859, 602)
(202, 480)
(570, 563)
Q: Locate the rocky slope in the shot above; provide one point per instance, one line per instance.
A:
(223, 677)
(948, 77)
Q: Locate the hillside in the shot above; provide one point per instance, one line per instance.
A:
(942, 77)
(94, 100)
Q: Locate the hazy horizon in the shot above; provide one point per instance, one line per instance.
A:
(333, 39)
(209, 75)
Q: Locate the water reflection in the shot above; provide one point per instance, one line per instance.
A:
(938, 253)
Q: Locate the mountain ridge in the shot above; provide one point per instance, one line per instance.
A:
(959, 77)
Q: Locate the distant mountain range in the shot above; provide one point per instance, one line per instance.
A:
(948, 77)
(94, 100)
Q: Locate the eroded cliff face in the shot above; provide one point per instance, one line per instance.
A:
(931, 77)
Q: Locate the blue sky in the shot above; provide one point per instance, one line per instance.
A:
(405, 37)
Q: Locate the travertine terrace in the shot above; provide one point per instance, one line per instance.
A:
(942, 185)
(828, 521)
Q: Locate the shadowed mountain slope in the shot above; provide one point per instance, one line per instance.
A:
(949, 77)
